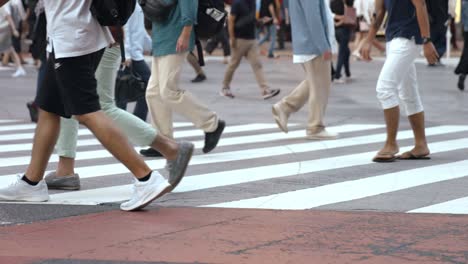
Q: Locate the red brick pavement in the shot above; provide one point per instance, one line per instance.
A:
(210, 235)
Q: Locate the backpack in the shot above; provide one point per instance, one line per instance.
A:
(211, 18)
(112, 12)
(157, 10)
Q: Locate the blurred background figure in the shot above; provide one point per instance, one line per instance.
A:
(365, 10)
(343, 36)
(137, 41)
(8, 30)
(268, 18)
(462, 68)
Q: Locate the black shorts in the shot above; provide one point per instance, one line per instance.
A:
(69, 86)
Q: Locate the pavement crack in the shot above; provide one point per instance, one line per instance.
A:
(263, 245)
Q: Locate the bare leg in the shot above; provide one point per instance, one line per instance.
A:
(166, 146)
(66, 166)
(45, 137)
(115, 142)
(392, 118)
(417, 124)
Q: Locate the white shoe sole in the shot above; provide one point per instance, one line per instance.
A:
(163, 189)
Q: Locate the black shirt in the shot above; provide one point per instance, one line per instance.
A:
(438, 13)
(337, 6)
(265, 9)
(244, 24)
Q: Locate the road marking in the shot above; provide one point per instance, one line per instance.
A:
(4, 121)
(458, 206)
(177, 134)
(335, 192)
(117, 168)
(96, 154)
(81, 132)
(352, 190)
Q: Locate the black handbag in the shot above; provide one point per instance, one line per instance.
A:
(129, 86)
(157, 10)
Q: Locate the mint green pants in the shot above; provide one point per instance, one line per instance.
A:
(138, 132)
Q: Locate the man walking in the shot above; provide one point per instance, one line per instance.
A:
(69, 89)
(172, 40)
(407, 29)
(313, 41)
(241, 25)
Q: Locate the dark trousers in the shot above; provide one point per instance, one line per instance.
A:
(439, 38)
(343, 35)
(221, 37)
(462, 67)
(141, 108)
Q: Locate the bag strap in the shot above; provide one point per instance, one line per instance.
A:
(201, 58)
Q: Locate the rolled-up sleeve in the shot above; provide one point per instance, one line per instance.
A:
(188, 9)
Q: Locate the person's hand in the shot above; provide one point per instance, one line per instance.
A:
(327, 56)
(16, 33)
(365, 50)
(430, 53)
(128, 63)
(233, 43)
(183, 43)
(276, 21)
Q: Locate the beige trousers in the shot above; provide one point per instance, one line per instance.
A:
(249, 49)
(314, 90)
(164, 97)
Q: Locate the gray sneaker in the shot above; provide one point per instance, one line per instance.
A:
(69, 182)
(177, 167)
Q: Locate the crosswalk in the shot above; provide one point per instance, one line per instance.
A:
(256, 166)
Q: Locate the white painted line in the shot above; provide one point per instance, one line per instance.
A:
(352, 190)
(177, 134)
(4, 121)
(17, 127)
(81, 132)
(227, 178)
(458, 206)
(117, 168)
(97, 154)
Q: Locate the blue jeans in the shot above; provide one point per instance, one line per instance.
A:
(343, 35)
(271, 36)
(141, 108)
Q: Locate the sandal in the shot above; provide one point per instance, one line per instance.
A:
(227, 93)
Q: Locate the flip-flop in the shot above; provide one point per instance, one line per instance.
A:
(384, 158)
(411, 156)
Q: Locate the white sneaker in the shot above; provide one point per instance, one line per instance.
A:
(19, 72)
(322, 135)
(146, 192)
(20, 190)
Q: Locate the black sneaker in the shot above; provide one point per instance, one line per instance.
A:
(33, 111)
(150, 152)
(212, 138)
(199, 78)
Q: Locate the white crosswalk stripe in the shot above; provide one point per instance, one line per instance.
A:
(259, 154)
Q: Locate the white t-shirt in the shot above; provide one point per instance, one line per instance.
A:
(72, 30)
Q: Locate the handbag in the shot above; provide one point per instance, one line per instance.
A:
(350, 17)
(157, 10)
(129, 86)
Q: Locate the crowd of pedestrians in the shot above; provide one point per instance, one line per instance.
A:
(77, 80)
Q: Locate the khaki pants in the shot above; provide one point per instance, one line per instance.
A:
(246, 48)
(314, 90)
(164, 96)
